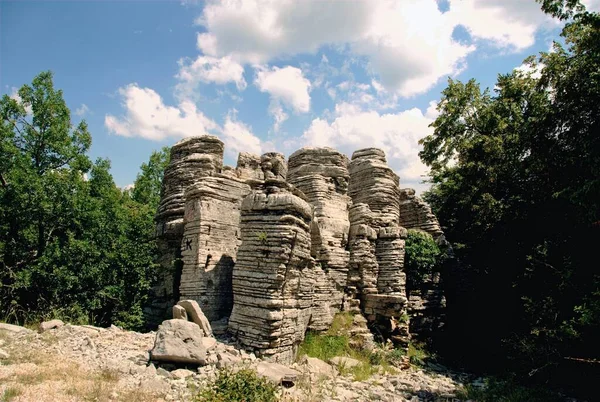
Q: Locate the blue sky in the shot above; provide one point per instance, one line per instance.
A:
(264, 75)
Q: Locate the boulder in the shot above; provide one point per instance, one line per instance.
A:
(342, 361)
(179, 313)
(15, 329)
(4, 355)
(277, 373)
(179, 341)
(318, 367)
(196, 315)
(52, 324)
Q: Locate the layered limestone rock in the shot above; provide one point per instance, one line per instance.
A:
(322, 175)
(273, 277)
(416, 214)
(191, 160)
(426, 301)
(210, 241)
(273, 166)
(248, 167)
(376, 276)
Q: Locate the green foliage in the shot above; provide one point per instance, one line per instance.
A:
(146, 189)
(243, 385)
(324, 347)
(416, 354)
(422, 258)
(70, 248)
(262, 237)
(496, 390)
(516, 182)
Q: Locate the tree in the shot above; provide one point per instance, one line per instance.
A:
(516, 180)
(148, 183)
(69, 247)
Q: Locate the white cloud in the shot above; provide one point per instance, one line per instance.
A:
(148, 117)
(238, 137)
(408, 44)
(208, 69)
(287, 87)
(528, 70)
(432, 112)
(397, 134)
(82, 110)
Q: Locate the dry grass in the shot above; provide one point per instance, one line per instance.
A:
(38, 375)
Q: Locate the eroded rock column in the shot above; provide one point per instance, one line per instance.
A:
(377, 243)
(273, 275)
(191, 159)
(322, 175)
(210, 242)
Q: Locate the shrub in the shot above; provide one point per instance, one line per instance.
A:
(423, 256)
(243, 385)
(496, 390)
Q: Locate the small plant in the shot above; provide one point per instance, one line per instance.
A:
(324, 347)
(262, 237)
(9, 394)
(243, 385)
(416, 355)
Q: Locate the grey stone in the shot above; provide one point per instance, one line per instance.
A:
(4, 354)
(342, 361)
(52, 324)
(196, 315)
(277, 373)
(181, 373)
(179, 313)
(16, 329)
(179, 341)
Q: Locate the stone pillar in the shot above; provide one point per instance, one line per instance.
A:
(248, 167)
(273, 277)
(191, 160)
(426, 301)
(322, 175)
(210, 241)
(377, 244)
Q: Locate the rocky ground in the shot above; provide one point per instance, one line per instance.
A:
(74, 363)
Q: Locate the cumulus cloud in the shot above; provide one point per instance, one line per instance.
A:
(14, 94)
(82, 110)
(397, 134)
(238, 137)
(208, 69)
(287, 87)
(146, 116)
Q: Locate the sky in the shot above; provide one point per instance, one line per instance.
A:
(265, 75)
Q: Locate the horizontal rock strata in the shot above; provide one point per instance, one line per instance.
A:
(273, 275)
(210, 241)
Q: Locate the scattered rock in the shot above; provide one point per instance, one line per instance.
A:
(52, 324)
(318, 367)
(179, 341)
(181, 373)
(4, 355)
(277, 373)
(196, 315)
(347, 362)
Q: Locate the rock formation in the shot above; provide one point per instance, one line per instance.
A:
(278, 247)
(426, 301)
(191, 160)
(273, 278)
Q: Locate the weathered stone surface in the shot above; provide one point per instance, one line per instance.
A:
(376, 272)
(416, 214)
(426, 301)
(52, 324)
(273, 276)
(277, 373)
(191, 160)
(179, 313)
(322, 175)
(347, 362)
(14, 328)
(196, 315)
(318, 366)
(249, 167)
(210, 242)
(273, 166)
(179, 341)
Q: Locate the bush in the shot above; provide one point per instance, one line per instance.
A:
(243, 385)
(496, 390)
(423, 257)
